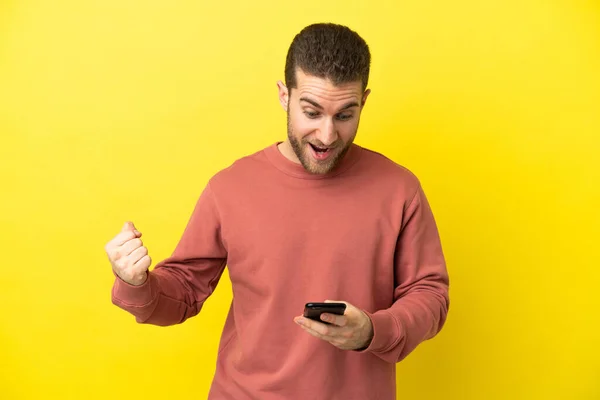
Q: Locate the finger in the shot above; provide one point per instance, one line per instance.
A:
(313, 333)
(337, 342)
(129, 247)
(351, 310)
(143, 264)
(339, 301)
(308, 326)
(130, 227)
(337, 320)
(137, 255)
(319, 327)
(127, 227)
(121, 238)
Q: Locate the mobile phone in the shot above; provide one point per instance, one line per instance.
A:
(314, 310)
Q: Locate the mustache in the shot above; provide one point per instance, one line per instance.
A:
(319, 144)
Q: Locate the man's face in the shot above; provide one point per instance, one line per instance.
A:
(322, 120)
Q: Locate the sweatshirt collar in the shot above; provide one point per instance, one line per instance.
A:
(289, 167)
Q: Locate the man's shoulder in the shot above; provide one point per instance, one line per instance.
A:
(388, 169)
(243, 168)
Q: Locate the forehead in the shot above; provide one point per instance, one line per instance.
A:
(323, 90)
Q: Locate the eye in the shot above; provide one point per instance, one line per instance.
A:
(344, 117)
(311, 114)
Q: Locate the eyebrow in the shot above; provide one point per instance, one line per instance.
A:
(320, 107)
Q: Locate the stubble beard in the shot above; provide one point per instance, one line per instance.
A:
(301, 149)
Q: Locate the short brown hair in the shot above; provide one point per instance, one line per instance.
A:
(328, 51)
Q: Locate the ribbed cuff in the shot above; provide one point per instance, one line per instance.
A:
(136, 296)
(386, 331)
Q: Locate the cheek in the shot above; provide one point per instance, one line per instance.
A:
(303, 126)
(347, 130)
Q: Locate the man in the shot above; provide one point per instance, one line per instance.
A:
(313, 218)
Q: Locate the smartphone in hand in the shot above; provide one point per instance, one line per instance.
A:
(314, 310)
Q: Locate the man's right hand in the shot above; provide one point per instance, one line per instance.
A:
(128, 255)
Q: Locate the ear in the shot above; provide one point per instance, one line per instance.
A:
(283, 95)
(364, 99)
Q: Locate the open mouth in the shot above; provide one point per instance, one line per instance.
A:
(320, 153)
(319, 149)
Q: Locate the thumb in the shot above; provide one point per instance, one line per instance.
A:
(348, 305)
(130, 227)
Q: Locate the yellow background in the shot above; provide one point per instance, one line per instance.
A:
(115, 110)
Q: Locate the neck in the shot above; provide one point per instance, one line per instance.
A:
(286, 149)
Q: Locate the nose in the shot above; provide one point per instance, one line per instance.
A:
(327, 133)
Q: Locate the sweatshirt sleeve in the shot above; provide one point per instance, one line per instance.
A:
(421, 298)
(177, 287)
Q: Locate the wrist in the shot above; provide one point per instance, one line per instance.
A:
(140, 280)
(367, 334)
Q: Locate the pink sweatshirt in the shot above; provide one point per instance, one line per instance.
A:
(364, 234)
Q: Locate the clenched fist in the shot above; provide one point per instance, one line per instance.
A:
(128, 255)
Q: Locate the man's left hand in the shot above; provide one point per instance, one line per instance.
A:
(351, 331)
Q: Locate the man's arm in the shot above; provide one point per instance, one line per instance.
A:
(177, 287)
(421, 298)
